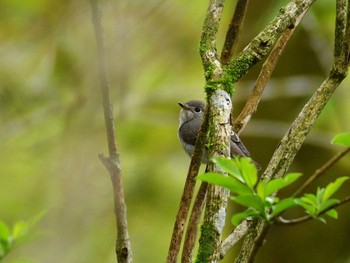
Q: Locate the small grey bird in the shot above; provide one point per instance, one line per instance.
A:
(190, 120)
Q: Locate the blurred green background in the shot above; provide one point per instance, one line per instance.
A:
(52, 125)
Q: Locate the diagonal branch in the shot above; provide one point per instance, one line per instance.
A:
(298, 131)
(233, 31)
(112, 163)
(261, 45)
(234, 237)
(250, 108)
(265, 74)
(295, 136)
(193, 222)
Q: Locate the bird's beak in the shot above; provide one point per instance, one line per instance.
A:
(184, 106)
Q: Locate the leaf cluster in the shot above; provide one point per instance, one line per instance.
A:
(9, 238)
(259, 196)
(321, 202)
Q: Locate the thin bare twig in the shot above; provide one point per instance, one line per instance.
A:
(112, 163)
(233, 31)
(265, 74)
(187, 193)
(192, 226)
(321, 170)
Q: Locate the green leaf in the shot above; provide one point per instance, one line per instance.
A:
(261, 189)
(322, 219)
(310, 199)
(283, 205)
(328, 203)
(319, 195)
(20, 229)
(4, 231)
(230, 183)
(342, 139)
(276, 184)
(249, 172)
(229, 166)
(304, 202)
(331, 188)
(239, 217)
(6, 240)
(250, 201)
(270, 201)
(332, 213)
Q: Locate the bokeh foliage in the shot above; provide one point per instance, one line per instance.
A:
(52, 123)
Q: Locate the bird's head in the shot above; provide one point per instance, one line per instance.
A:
(191, 110)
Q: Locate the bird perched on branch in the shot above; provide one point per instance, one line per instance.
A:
(190, 120)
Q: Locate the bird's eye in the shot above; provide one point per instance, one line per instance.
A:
(197, 109)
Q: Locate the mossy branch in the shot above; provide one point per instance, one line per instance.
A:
(261, 45)
(219, 107)
(207, 47)
(295, 136)
(219, 88)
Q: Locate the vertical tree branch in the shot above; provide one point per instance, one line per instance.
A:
(112, 163)
(219, 110)
(219, 145)
(230, 42)
(218, 89)
(207, 47)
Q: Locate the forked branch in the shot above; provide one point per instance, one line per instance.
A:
(295, 136)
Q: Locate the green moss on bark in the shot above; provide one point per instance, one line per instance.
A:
(207, 243)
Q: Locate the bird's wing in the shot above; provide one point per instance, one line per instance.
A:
(237, 146)
(189, 131)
